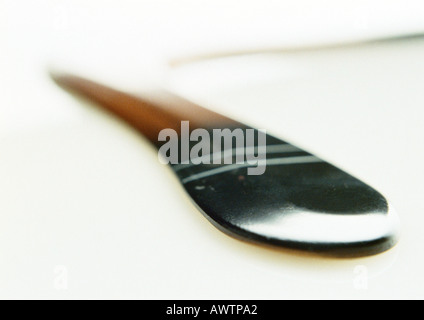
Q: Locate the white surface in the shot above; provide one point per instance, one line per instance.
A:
(87, 211)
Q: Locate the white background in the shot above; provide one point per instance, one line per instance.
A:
(87, 211)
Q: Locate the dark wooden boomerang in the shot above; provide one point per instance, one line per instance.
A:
(300, 202)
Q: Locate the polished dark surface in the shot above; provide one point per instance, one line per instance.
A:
(295, 186)
(300, 202)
